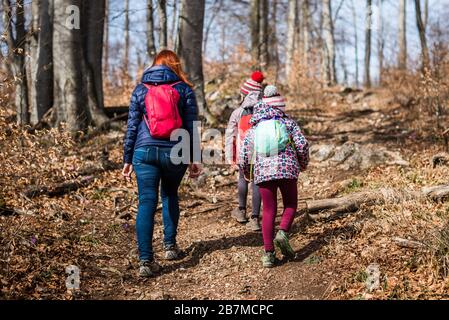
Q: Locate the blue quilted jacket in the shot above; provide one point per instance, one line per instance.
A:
(138, 135)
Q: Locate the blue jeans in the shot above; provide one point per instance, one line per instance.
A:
(153, 167)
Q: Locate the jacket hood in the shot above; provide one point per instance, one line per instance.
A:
(262, 111)
(159, 75)
(251, 100)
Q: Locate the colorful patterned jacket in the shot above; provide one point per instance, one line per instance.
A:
(288, 163)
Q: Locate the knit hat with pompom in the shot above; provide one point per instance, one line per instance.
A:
(272, 98)
(253, 84)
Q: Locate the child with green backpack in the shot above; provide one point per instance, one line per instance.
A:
(273, 153)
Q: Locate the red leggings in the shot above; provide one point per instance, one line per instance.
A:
(268, 192)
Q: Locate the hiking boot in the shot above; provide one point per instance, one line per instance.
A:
(172, 252)
(268, 259)
(281, 241)
(254, 224)
(239, 215)
(148, 269)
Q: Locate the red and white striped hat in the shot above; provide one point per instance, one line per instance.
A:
(253, 84)
(272, 98)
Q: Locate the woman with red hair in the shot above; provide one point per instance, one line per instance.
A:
(148, 151)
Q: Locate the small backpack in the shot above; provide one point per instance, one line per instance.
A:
(243, 126)
(244, 123)
(271, 137)
(162, 113)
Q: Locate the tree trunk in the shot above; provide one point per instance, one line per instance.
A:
(106, 41)
(306, 34)
(151, 46)
(329, 68)
(94, 13)
(292, 21)
(369, 13)
(190, 44)
(426, 13)
(422, 37)
(16, 40)
(326, 208)
(356, 43)
(273, 40)
(402, 63)
(380, 41)
(217, 7)
(263, 34)
(69, 90)
(162, 11)
(40, 69)
(126, 62)
(255, 31)
(174, 28)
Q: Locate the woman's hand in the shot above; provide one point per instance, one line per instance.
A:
(195, 170)
(127, 171)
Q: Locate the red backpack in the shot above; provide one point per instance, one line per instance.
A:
(162, 114)
(243, 126)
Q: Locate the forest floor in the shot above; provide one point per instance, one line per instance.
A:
(93, 226)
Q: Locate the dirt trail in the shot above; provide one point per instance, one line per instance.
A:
(222, 258)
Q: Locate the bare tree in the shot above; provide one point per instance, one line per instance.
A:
(356, 43)
(174, 28)
(329, 68)
(190, 40)
(16, 39)
(126, 62)
(263, 34)
(39, 67)
(422, 36)
(274, 45)
(94, 16)
(380, 40)
(426, 13)
(77, 59)
(292, 21)
(106, 40)
(402, 63)
(162, 12)
(369, 13)
(69, 90)
(5, 68)
(216, 8)
(151, 46)
(306, 32)
(255, 30)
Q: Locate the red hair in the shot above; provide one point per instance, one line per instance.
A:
(169, 59)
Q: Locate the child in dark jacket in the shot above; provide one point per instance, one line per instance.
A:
(237, 128)
(279, 171)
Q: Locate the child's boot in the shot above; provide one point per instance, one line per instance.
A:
(281, 241)
(240, 215)
(268, 259)
(254, 224)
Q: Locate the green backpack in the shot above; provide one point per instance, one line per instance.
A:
(271, 137)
